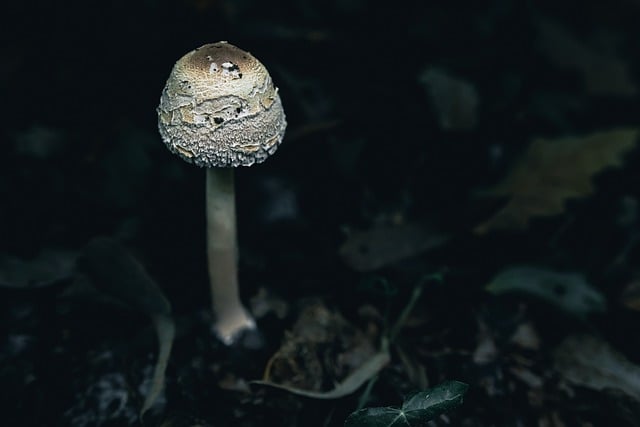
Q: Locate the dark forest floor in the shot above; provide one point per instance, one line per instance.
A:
(410, 128)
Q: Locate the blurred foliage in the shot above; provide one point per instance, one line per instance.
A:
(569, 292)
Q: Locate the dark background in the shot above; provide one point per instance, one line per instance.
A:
(81, 157)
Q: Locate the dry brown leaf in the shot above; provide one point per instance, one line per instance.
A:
(323, 348)
(552, 171)
(367, 370)
(384, 245)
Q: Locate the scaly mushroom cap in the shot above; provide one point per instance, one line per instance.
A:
(220, 108)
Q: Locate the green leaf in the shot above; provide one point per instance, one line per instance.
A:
(570, 292)
(417, 408)
(439, 399)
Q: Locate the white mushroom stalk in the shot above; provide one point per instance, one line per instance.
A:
(220, 109)
(231, 316)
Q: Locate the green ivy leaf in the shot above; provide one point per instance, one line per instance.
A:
(439, 399)
(417, 408)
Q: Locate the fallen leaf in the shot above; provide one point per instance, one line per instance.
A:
(265, 302)
(526, 336)
(231, 382)
(383, 245)
(569, 292)
(454, 100)
(351, 383)
(590, 362)
(553, 171)
(486, 350)
(166, 332)
(114, 270)
(323, 348)
(48, 267)
(526, 376)
(553, 420)
(603, 73)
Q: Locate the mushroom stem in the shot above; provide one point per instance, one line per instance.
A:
(231, 318)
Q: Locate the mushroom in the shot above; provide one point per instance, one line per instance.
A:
(219, 110)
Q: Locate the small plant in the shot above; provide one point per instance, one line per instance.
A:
(416, 410)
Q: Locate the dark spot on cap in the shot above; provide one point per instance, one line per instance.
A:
(218, 120)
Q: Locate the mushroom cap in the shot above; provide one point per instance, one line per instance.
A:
(220, 108)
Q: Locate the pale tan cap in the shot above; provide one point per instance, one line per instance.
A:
(220, 108)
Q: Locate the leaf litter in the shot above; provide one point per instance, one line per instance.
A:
(569, 292)
(589, 361)
(323, 356)
(552, 171)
